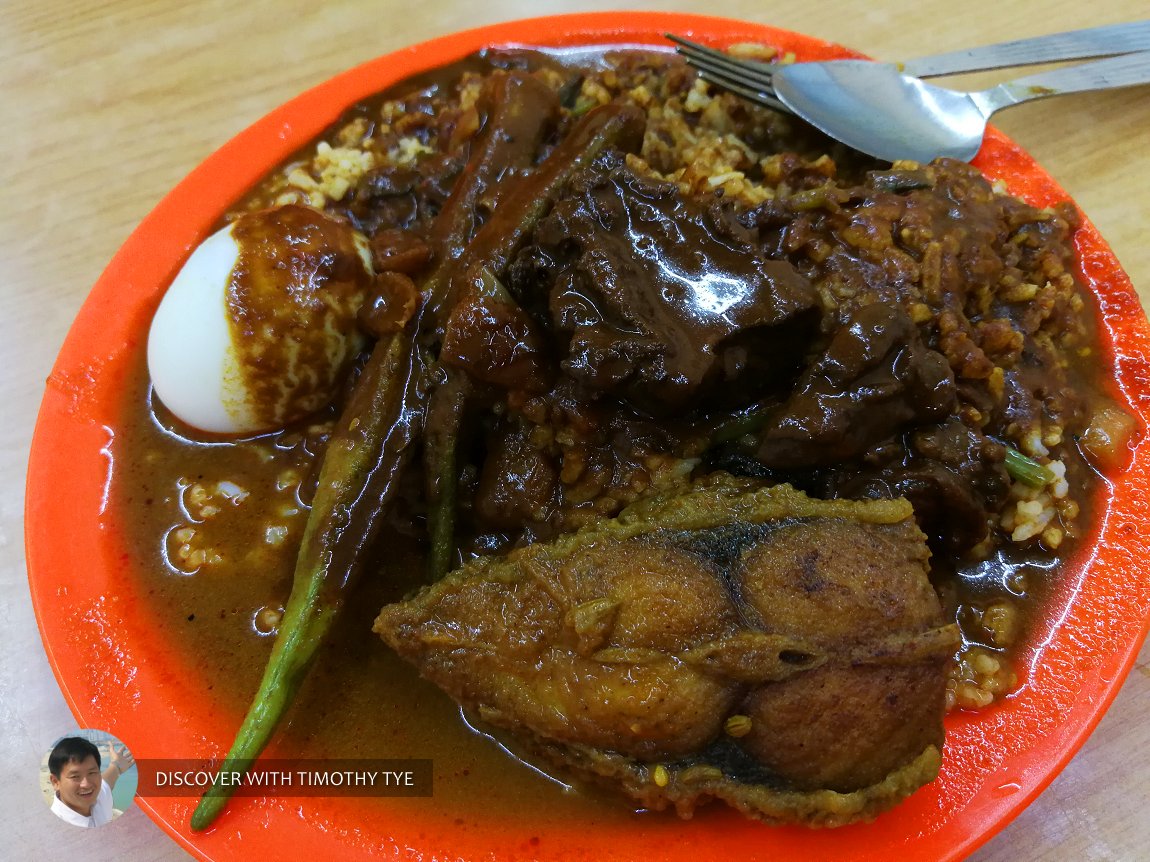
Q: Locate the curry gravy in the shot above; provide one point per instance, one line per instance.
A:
(360, 700)
(214, 524)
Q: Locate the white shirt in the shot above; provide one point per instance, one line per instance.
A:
(101, 810)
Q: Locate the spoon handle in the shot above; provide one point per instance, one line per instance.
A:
(1072, 45)
(1123, 71)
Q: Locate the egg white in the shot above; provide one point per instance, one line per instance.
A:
(191, 358)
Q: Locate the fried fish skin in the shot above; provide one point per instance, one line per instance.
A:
(624, 650)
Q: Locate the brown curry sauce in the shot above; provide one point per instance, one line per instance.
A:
(361, 700)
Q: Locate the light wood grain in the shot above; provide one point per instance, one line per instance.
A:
(106, 105)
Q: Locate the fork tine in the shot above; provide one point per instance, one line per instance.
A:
(715, 53)
(702, 57)
(736, 86)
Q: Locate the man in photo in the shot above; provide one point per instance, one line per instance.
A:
(83, 792)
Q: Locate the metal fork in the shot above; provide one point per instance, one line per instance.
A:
(747, 78)
(753, 80)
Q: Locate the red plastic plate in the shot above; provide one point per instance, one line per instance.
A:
(122, 673)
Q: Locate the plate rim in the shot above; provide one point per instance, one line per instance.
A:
(74, 385)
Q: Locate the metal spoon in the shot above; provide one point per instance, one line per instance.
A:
(875, 108)
(1105, 41)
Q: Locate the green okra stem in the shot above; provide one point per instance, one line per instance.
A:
(357, 481)
(492, 250)
(444, 420)
(750, 421)
(371, 445)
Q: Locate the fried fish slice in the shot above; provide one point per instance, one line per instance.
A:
(784, 654)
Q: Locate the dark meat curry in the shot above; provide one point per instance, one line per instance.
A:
(635, 340)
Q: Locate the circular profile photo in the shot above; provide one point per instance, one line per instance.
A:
(88, 778)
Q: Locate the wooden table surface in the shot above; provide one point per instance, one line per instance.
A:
(106, 104)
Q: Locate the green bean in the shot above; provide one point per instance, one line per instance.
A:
(1027, 470)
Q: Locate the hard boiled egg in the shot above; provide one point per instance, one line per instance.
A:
(259, 327)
